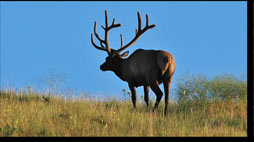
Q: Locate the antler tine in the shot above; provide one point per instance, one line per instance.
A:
(106, 32)
(96, 46)
(147, 20)
(113, 21)
(139, 32)
(97, 36)
(106, 28)
(95, 32)
(139, 22)
(113, 25)
(121, 40)
(106, 18)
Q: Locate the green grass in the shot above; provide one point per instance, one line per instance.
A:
(29, 114)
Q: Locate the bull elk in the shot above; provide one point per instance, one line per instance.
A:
(147, 68)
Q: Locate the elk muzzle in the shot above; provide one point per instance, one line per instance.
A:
(102, 67)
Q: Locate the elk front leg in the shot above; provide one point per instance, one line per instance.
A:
(133, 94)
(146, 92)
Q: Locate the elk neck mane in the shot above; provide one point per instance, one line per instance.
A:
(119, 69)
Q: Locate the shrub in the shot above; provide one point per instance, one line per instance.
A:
(191, 87)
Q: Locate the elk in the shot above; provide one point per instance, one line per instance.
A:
(147, 68)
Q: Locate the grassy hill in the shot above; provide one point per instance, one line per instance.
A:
(206, 107)
(34, 115)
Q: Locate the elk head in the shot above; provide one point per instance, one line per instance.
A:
(114, 56)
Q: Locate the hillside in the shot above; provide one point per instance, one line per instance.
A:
(34, 114)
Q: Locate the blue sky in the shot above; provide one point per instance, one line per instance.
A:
(38, 37)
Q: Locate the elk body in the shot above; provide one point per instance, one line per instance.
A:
(147, 68)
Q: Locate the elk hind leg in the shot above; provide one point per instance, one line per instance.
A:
(166, 85)
(156, 89)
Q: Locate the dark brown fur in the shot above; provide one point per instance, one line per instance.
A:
(147, 68)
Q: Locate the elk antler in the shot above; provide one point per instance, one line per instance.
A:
(139, 32)
(105, 41)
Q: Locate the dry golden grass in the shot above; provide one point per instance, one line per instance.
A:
(31, 115)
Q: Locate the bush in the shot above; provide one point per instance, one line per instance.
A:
(200, 88)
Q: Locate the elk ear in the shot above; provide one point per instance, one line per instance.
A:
(124, 54)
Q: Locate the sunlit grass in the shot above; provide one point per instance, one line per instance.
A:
(30, 114)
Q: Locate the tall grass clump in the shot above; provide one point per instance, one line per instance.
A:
(201, 110)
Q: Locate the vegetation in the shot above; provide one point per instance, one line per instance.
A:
(220, 87)
(210, 112)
